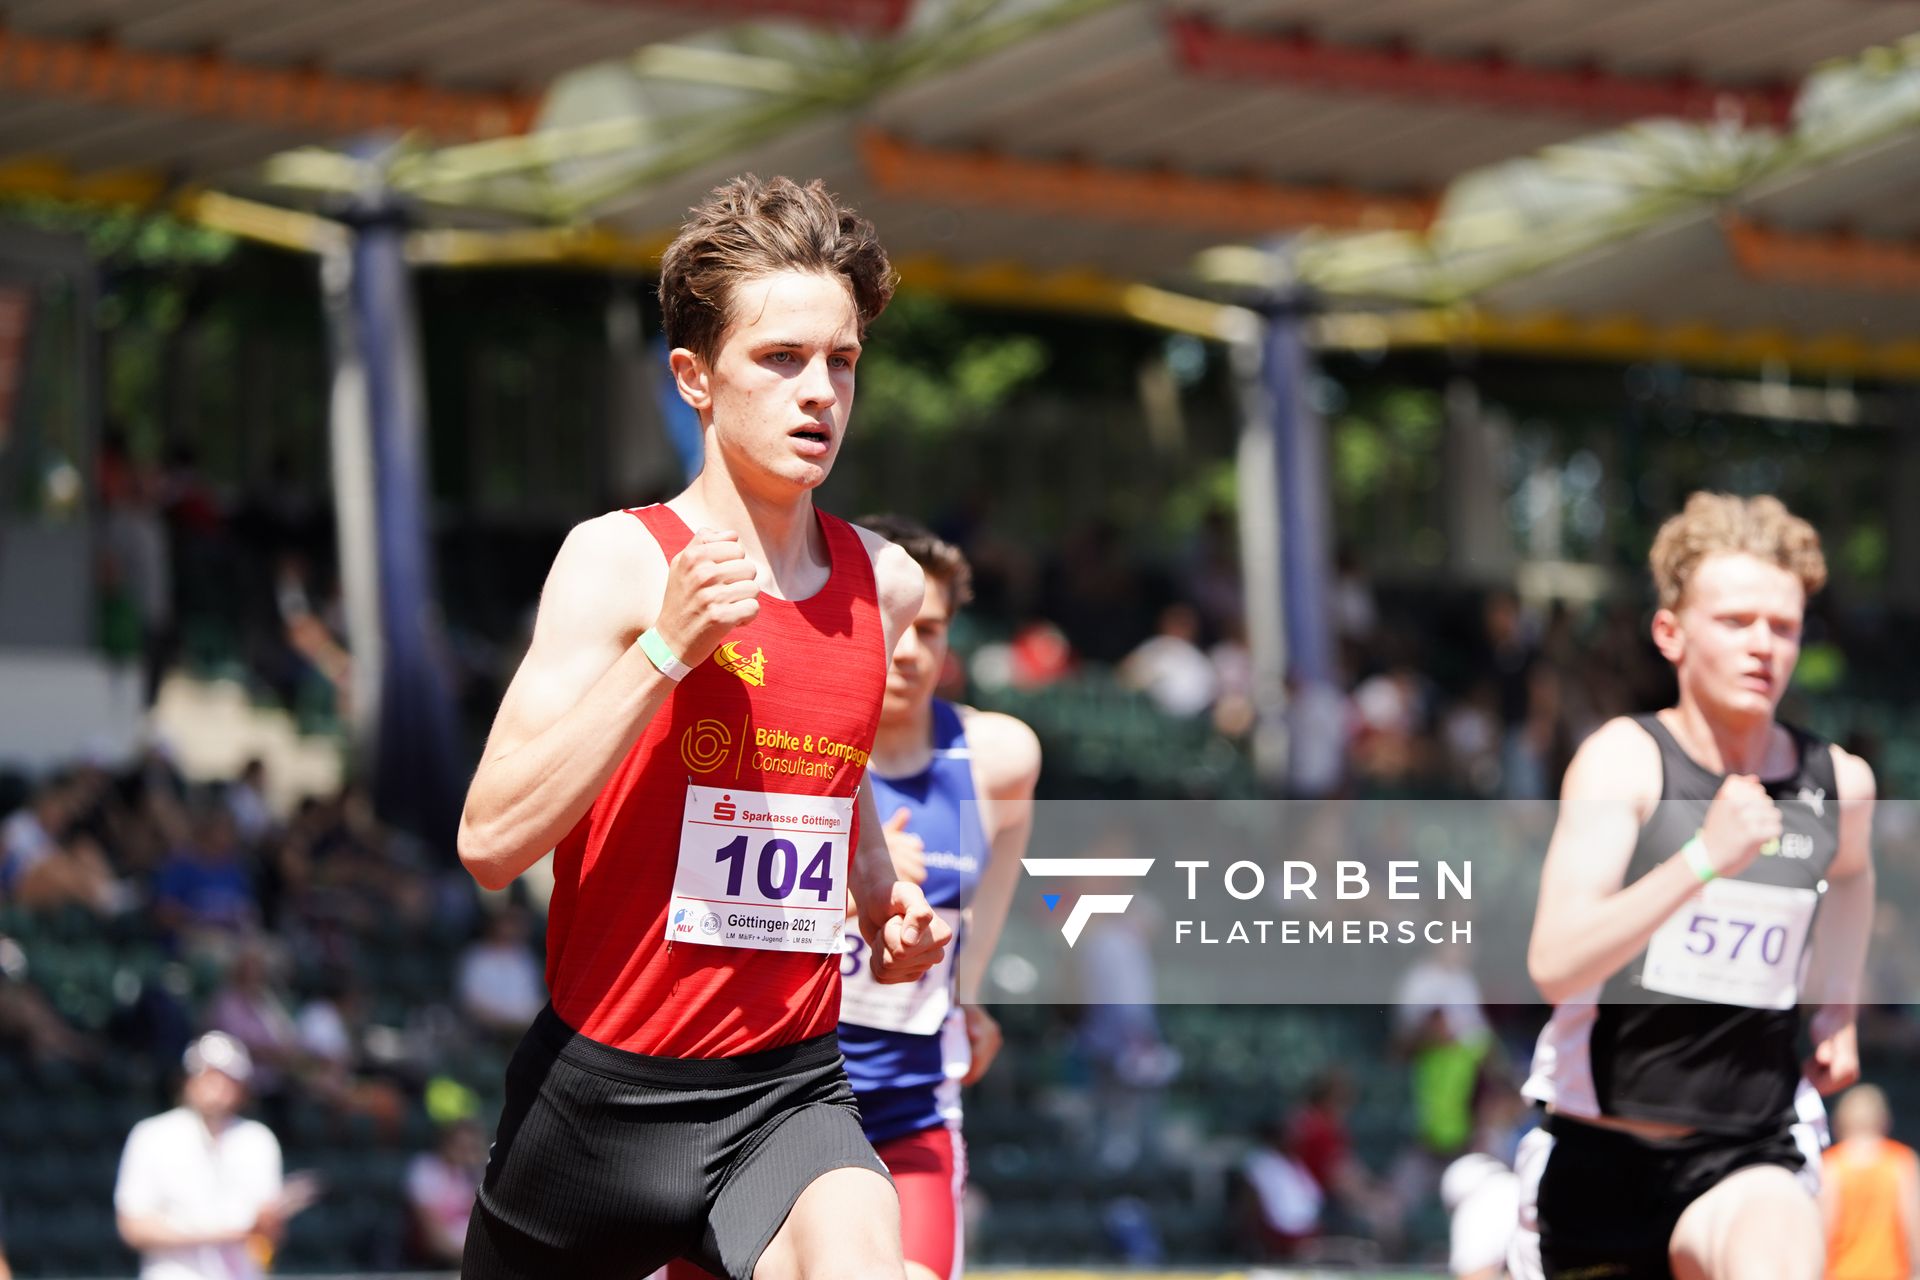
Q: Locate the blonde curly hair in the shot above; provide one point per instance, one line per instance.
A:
(1715, 523)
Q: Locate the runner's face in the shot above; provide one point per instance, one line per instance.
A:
(780, 387)
(1736, 635)
(920, 655)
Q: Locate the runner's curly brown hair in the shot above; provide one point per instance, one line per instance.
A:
(748, 228)
(942, 561)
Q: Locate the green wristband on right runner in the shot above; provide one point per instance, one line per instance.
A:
(1695, 852)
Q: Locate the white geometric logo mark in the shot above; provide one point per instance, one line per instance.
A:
(1815, 798)
(1093, 904)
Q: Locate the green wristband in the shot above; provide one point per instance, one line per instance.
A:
(655, 647)
(1695, 852)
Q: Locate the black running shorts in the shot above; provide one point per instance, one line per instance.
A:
(1609, 1201)
(610, 1164)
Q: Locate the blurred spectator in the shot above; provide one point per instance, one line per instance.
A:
(6, 1272)
(325, 1024)
(137, 568)
(1441, 984)
(29, 1022)
(1869, 1193)
(1131, 1231)
(44, 864)
(1096, 594)
(1527, 704)
(441, 1185)
(1211, 574)
(1171, 668)
(332, 1035)
(252, 1010)
(246, 798)
(1120, 1033)
(1039, 655)
(204, 886)
(1390, 712)
(1355, 615)
(1317, 1137)
(1319, 729)
(1282, 1202)
(501, 985)
(200, 1191)
(1234, 711)
(1441, 1027)
(28, 837)
(1471, 734)
(1482, 1199)
(309, 635)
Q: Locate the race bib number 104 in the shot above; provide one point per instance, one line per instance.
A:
(1735, 943)
(761, 869)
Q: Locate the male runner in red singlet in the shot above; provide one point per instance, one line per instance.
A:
(688, 732)
(1709, 876)
(957, 784)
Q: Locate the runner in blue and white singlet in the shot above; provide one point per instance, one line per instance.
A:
(905, 1045)
(955, 786)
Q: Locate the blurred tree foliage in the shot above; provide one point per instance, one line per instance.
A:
(1387, 471)
(154, 272)
(929, 369)
(122, 234)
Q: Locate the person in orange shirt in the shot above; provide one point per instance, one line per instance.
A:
(1870, 1194)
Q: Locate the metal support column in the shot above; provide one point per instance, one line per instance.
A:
(405, 721)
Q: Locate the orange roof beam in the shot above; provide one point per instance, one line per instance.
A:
(213, 86)
(1397, 70)
(1836, 260)
(874, 16)
(1153, 198)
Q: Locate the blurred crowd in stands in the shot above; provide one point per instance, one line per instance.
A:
(279, 930)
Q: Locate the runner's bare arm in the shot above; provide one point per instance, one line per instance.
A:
(1006, 768)
(582, 694)
(586, 690)
(905, 937)
(901, 585)
(1842, 931)
(1587, 926)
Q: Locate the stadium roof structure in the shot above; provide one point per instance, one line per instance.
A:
(1713, 179)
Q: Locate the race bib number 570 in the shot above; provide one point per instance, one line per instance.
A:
(1735, 943)
(761, 869)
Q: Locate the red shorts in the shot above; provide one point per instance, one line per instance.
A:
(929, 1171)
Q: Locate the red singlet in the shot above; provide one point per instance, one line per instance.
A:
(789, 703)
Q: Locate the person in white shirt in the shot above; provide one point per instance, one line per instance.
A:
(441, 1185)
(1170, 666)
(501, 984)
(200, 1194)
